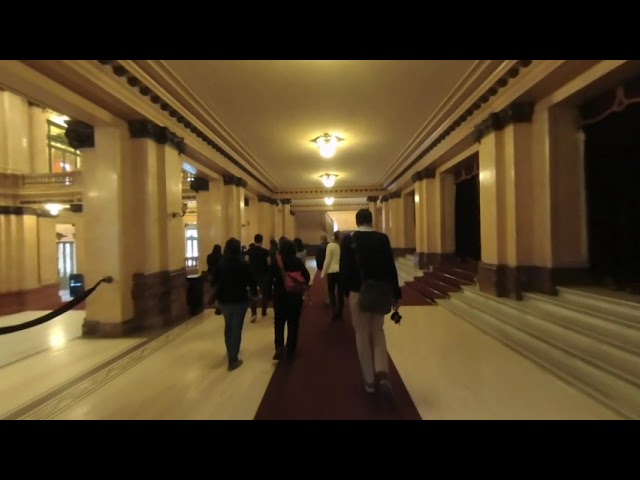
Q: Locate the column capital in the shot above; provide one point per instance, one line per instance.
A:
(144, 128)
(394, 195)
(372, 199)
(292, 213)
(384, 198)
(233, 180)
(285, 201)
(517, 112)
(267, 199)
(80, 134)
(427, 172)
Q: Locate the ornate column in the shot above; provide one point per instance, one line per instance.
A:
(373, 207)
(112, 241)
(209, 217)
(506, 199)
(266, 217)
(159, 280)
(287, 224)
(396, 220)
(233, 206)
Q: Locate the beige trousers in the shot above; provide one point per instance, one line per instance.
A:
(370, 340)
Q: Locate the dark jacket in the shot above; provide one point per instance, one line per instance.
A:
(233, 277)
(290, 265)
(321, 254)
(376, 260)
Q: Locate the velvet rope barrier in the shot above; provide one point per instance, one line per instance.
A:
(55, 313)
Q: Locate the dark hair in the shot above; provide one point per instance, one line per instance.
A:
(232, 248)
(258, 238)
(364, 217)
(287, 248)
(273, 244)
(336, 235)
(281, 240)
(217, 250)
(298, 244)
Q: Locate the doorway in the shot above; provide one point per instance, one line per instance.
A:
(612, 170)
(467, 211)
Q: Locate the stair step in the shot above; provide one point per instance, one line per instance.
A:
(449, 279)
(457, 273)
(426, 291)
(613, 330)
(602, 305)
(617, 394)
(616, 361)
(433, 282)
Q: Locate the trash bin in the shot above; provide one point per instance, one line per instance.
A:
(76, 285)
(195, 294)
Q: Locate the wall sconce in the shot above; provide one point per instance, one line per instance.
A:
(327, 144)
(181, 213)
(328, 179)
(246, 224)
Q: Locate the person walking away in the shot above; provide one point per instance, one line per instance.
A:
(367, 265)
(287, 302)
(320, 258)
(331, 271)
(258, 258)
(233, 278)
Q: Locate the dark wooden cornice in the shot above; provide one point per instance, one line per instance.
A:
(80, 134)
(372, 199)
(267, 199)
(13, 210)
(492, 91)
(394, 195)
(384, 198)
(428, 172)
(144, 128)
(134, 82)
(285, 201)
(517, 112)
(233, 180)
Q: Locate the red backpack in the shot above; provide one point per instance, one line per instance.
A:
(294, 282)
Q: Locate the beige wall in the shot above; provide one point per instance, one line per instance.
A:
(310, 225)
(346, 220)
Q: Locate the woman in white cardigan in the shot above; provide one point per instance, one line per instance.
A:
(331, 270)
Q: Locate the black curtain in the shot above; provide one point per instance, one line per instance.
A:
(468, 218)
(612, 171)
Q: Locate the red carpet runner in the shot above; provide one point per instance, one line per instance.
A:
(324, 382)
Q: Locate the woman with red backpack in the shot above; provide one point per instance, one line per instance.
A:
(290, 281)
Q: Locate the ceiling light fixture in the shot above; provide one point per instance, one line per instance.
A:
(327, 144)
(54, 208)
(328, 200)
(328, 179)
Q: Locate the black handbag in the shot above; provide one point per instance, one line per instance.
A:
(376, 296)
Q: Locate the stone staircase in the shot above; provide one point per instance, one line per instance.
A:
(590, 341)
(436, 284)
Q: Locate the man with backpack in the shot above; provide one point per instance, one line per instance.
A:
(370, 280)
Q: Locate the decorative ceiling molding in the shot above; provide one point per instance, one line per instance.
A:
(454, 124)
(165, 77)
(163, 104)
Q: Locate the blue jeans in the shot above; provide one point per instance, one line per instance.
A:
(233, 314)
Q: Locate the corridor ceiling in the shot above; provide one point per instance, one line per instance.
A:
(274, 108)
